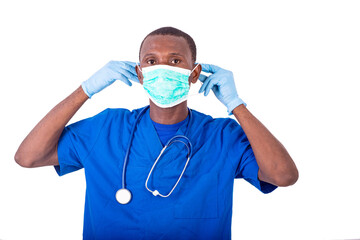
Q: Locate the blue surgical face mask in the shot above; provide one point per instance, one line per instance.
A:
(165, 85)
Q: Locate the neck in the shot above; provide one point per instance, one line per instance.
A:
(168, 116)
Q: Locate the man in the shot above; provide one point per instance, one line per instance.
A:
(134, 189)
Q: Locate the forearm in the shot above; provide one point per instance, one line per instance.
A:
(39, 147)
(275, 164)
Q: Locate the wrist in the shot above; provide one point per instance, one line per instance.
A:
(85, 89)
(239, 109)
(235, 103)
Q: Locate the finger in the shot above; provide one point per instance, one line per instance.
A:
(202, 77)
(133, 64)
(127, 74)
(130, 66)
(206, 83)
(210, 68)
(125, 80)
(202, 88)
(132, 76)
(210, 86)
(118, 76)
(135, 79)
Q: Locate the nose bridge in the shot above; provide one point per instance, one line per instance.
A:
(163, 60)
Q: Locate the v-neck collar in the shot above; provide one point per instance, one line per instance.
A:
(146, 145)
(153, 135)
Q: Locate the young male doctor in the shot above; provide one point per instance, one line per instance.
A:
(136, 188)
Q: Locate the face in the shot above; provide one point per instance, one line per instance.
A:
(167, 50)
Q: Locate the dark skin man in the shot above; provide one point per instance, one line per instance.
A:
(39, 148)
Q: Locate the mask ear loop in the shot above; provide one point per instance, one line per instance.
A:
(194, 68)
(138, 67)
(195, 94)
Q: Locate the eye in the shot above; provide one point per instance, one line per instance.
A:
(150, 61)
(175, 61)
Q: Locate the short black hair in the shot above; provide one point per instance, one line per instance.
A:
(174, 32)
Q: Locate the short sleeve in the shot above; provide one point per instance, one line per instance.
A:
(76, 143)
(242, 156)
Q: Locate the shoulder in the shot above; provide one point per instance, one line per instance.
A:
(119, 113)
(108, 117)
(205, 120)
(222, 132)
(114, 113)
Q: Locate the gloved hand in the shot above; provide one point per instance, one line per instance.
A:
(112, 71)
(222, 83)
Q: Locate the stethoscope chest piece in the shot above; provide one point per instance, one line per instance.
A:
(123, 196)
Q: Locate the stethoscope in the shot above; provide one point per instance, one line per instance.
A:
(123, 195)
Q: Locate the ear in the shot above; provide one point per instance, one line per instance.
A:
(195, 74)
(139, 74)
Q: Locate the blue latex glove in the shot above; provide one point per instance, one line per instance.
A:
(112, 71)
(222, 83)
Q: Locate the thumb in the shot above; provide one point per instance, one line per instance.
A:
(126, 81)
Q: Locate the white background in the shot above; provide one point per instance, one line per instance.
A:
(296, 65)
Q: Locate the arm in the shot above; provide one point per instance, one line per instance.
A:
(275, 164)
(39, 148)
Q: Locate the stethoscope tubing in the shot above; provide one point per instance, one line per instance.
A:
(156, 192)
(168, 144)
(130, 143)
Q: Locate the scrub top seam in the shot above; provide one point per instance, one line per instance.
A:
(77, 153)
(227, 149)
(97, 137)
(246, 155)
(232, 164)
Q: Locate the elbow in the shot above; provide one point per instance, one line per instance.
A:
(287, 178)
(23, 161)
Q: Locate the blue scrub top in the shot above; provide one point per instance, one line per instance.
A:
(201, 205)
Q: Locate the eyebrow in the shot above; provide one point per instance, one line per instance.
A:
(173, 54)
(176, 54)
(149, 54)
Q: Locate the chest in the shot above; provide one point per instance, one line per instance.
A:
(207, 180)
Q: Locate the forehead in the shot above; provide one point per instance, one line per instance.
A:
(165, 44)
